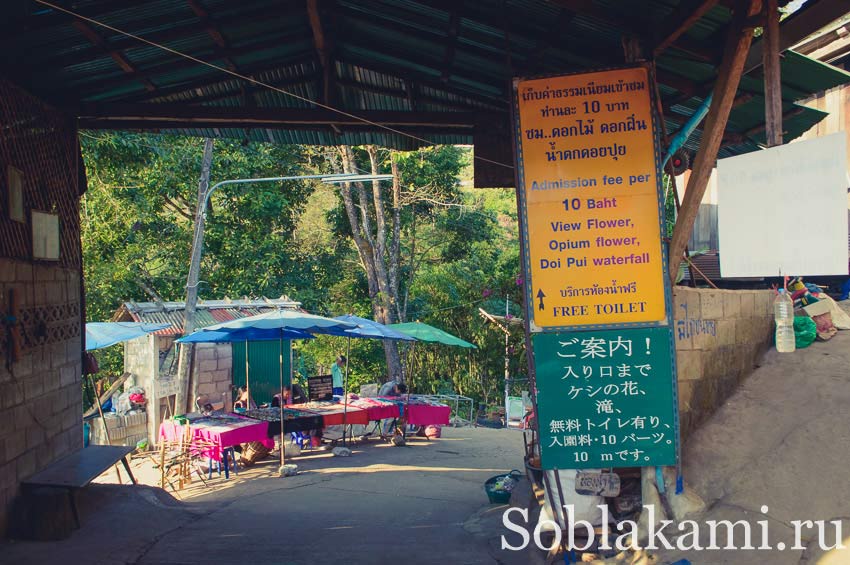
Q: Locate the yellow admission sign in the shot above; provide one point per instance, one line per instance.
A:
(590, 198)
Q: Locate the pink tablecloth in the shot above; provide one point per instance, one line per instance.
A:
(426, 415)
(421, 411)
(376, 408)
(222, 431)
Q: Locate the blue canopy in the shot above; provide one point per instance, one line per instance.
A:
(277, 320)
(248, 334)
(368, 329)
(104, 334)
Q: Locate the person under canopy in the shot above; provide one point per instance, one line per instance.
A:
(337, 374)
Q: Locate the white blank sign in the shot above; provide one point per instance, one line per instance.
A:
(783, 210)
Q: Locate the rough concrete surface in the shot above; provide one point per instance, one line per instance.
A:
(414, 504)
(780, 441)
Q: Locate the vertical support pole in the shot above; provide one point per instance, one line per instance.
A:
(281, 402)
(737, 46)
(507, 356)
(772, 75)
(184, 374)
(345, 391)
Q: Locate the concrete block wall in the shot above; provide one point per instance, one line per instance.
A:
(213, 369)
(123, 430)
(41, 394)
(720, 336)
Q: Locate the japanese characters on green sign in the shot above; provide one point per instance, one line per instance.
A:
(606, 398)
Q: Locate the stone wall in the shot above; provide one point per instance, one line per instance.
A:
(40, 388)
(212, 367)
(720, 336)
(214, 370)
(41, 393)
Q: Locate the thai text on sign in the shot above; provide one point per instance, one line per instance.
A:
(605, 398)
(590, 196)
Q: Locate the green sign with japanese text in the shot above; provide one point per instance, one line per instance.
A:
(606, 398)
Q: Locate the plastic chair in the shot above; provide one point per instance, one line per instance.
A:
(301, 439)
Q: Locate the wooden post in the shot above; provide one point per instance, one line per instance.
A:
(184, 374)
(737, 46)
(772, 75)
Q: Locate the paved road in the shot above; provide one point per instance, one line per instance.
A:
(382, 505)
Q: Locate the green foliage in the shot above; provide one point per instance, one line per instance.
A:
(459, 248)
(138, 212)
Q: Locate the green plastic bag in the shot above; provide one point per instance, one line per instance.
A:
(805, 331)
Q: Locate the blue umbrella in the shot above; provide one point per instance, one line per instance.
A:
(277, 320)
(273, 325)
(104, 334)
(370, 329)
(248, 334)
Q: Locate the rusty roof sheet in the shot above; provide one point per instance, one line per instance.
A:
(207, 312)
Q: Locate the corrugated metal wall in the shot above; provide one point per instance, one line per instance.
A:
(263, 367)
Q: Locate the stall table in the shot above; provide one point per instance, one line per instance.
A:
(221, 430)
(332, 413)
(420, 411)
(376, 408)
(294, 419)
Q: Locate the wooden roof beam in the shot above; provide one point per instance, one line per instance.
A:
(812, 17)
(407, 94)
(181, 64)
(737, 45)
(640, 29)
(117, 56)
(105, 116)
(451, 38)
(161, 36)
(535, 58)
(685, 15)
(324, 46)
(212, 30)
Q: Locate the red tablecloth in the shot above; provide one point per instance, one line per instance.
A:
(221, 430)
(332, 413)
(376, 408)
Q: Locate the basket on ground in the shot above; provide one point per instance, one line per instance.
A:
(499, 488)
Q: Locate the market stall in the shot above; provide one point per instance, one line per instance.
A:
(217, 430)
(278, 324)
(294, 420)
(336, 414)
(376, 408)
(420, 411)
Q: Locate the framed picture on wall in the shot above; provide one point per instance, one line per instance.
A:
(45, 236)
(15, 196)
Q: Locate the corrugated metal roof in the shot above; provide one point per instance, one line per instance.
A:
(207, 313)
(380, 49)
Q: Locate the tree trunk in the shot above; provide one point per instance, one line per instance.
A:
(187, 350)
(395, 246)
(372, 248)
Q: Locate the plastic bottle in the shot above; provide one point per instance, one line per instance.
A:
(783, 313)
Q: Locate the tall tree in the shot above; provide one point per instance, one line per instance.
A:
(378, 258)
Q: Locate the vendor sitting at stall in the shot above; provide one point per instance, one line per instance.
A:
(291, 395)
(390, 388)
(243, 400)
